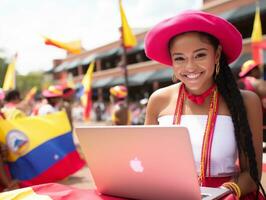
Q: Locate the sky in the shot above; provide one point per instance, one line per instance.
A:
(94, 22)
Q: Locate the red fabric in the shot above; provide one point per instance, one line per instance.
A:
(247, 81)
(62, 192)
(58, 171)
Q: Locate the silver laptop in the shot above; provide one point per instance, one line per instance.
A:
(143, 162)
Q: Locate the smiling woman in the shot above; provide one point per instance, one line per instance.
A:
(199, 46)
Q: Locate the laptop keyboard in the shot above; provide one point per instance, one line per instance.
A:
(203, 196)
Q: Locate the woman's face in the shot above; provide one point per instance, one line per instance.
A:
(194, 60)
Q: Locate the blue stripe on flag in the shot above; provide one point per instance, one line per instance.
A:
(42, 157)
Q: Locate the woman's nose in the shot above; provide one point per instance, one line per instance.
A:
(190, 65)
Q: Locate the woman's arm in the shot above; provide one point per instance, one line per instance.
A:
(254, 115)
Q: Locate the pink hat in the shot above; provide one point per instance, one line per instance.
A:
(118, 91)
(157, 39)
(2, 94)
(53, 91)
(247, 67)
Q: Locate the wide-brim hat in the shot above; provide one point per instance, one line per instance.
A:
(119, 91)
(247, 67)
(52, 92)
(157, 39)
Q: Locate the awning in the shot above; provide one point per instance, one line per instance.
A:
(101, 83)
(74, 63)
(61, 67)
(161, 75)
(135, 79)
(87, 60)
(237, 14)
(243, 58)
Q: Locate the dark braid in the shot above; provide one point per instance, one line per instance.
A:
(230, 92)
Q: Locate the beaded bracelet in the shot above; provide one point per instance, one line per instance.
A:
(233, 187)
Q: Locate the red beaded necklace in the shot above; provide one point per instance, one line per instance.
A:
(205, 162)
(199, 99)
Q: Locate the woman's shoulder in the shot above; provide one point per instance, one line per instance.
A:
(250, 97)
(165, 92)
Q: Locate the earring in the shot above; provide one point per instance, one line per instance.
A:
(217, 69)
(174, 79)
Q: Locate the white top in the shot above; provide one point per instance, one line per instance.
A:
(46, 109)
(224, 147)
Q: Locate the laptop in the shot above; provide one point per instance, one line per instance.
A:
(143, 162)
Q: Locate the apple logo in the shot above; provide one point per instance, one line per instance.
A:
(136, 165)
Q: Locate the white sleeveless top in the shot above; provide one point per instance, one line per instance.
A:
(224, 147)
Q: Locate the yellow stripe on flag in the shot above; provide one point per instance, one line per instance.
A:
(38, 128)
(129, 40)
(10, 77)
(23, 194)
(257, 30)
(87, 83)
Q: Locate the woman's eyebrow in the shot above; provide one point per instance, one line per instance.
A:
(195, 51)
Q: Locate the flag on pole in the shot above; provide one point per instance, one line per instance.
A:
(129, 40)
(30, 94)
(10, 77)
(41, 148)
(73, 47)
(87, 91)
(256, 38)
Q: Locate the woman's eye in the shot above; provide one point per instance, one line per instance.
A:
(179, 59)
(200, 55)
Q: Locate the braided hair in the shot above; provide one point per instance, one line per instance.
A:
(229, 90)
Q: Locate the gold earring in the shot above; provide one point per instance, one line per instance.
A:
(217, 69)
(174, 79)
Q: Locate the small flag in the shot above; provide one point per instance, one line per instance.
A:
(73, 47)
(30, 94)
(129, 40)
(87, 91)
(10, 77)
(256, 38)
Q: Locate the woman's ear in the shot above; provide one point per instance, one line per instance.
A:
(218, 54)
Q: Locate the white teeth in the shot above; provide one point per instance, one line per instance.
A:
(193, 76)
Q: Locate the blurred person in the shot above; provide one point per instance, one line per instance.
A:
(11, 108)
(99, 110)
(53, 103)
(6, 182)
(68, 98)
(251, 79)
(119, 108)
(200, 46)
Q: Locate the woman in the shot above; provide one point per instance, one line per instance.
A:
(120, 111)
(225, 124)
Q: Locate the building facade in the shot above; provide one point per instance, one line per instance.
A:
(145, 76)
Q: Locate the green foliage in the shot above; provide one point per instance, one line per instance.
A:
(25, 82)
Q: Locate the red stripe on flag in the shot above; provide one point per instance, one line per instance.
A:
(88, 106)
(62, 169)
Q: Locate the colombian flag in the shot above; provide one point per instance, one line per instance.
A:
(41, 148)
(87, 92)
